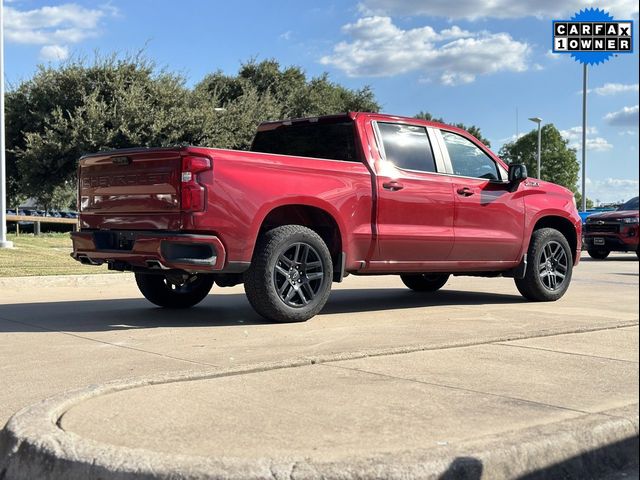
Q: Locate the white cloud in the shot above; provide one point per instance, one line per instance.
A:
(553, 56)
(614, 88)
(54, 26)
(612, 189)
(594, 143)
(380, 48)
(473, 10)
(286, 35)
(54, 52)
(627, 117)
(511, 138)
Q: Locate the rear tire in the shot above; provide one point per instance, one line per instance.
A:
(549, 268)
(598, 254)
(177, 292)
(290, 275)
(425, 282)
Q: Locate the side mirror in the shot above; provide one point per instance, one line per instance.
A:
(517, 173)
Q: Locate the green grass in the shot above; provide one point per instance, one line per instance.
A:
(46, 254)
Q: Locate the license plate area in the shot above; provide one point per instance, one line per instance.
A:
(598, 241)
(114, 240)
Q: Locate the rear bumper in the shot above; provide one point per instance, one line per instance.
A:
(156, 251)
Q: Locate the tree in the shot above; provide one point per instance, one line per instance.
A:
(578, 196)
(289, 88)
(559, 162)
(473, 130)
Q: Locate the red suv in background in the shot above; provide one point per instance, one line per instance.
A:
(615, 231)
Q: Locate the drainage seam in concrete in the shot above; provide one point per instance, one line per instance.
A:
(565, 353)
(75, 335)
(462, 389)
(424, 348)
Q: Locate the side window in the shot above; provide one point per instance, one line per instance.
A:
(407, 146)
(468, 160)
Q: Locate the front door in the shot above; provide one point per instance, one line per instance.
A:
(489, 218)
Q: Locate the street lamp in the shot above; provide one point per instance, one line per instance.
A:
(538, 120)
(4, 243)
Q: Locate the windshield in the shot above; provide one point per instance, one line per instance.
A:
(630, 204)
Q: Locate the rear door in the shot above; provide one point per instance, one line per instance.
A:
(489, 218)
(415, 204)
(137, 189)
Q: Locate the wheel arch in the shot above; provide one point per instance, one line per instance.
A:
(318, 219)
(564, 226)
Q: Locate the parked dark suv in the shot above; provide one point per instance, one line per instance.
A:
(615, 231)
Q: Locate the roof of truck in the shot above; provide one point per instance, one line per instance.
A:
(268, 125)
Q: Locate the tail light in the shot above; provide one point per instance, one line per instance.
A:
(193, 193)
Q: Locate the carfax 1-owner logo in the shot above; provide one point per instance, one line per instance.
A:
(592, 36)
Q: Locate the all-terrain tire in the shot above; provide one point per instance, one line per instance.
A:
(534, 286)
(162, 292)
(425, 282)
(267, 287)
(598, 254)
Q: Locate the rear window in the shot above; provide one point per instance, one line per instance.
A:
(333, 141)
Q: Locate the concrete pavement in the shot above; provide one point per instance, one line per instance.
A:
(381, 374)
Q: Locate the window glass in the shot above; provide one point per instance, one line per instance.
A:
(407, 146)
(330, 140)
(467, 159)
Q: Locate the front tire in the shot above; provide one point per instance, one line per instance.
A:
(550, 267)
(290, 275)
(425, 282)
(598, 254)
(174, 291)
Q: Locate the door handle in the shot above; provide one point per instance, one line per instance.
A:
(392, 185)
(465, 191)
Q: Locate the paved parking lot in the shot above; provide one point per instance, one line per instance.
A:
(476, 335)
(54, 338)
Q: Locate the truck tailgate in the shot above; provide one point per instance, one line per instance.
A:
(131, 189)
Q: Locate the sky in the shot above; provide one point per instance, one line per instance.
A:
(483, 63)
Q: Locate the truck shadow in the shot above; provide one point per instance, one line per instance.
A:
(612, 258)
(369, 300)
(216, 310)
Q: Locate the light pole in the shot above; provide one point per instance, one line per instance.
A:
(4, 243)
(584, 138)
(538, 120)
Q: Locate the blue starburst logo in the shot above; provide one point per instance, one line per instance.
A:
(592, 36)
(592, 15)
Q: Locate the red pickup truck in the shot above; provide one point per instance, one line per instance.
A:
(317, 199)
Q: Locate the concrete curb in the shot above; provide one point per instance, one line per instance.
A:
(64, 280)
(32, 445)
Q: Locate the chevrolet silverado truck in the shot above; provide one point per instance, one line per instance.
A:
(315, 200)
(613, 231)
